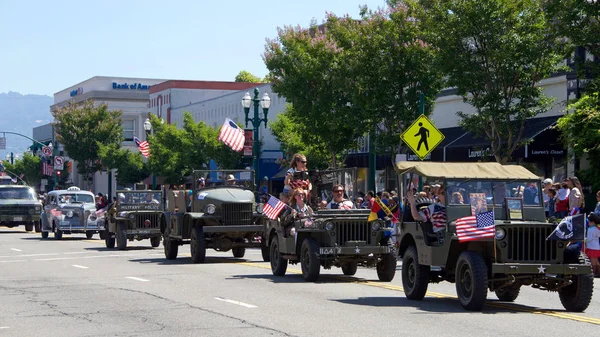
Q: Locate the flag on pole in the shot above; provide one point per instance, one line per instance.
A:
(475, 227)
(231, 135)
(273, 207)
(143, 146)
(47, 167)
(570, 228)
(380, 211)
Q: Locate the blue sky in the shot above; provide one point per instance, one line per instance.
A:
(48, 46)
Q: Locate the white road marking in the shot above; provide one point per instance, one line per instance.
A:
(74, 258)
(236, 302)
(16, 250)
(137, 279)
(78, 266)
(4, 327)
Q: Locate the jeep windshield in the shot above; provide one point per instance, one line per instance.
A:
(75, 198)
(140, 200)
(217, 178)
(17, 193)
(480, 193)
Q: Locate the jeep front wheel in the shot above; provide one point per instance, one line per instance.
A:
(471, 280)
(386, 268)
(265, 252)
(278, 264)
(508, 294)
(121, 236)
(576, 297)
(238, 252)
(350, 268)
(109, 239)
(415, 277)
(171, 246)
(309, 260)
(155, 241)
(198, 245)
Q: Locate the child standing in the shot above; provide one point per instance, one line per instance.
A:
(592, 248)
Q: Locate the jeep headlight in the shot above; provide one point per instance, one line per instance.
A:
(259, 208)
(329, 226)
(500, 233)
(69, 214)
(211, 209)
(376, 225)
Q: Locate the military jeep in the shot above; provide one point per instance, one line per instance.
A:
(19, 206)
(332, 237)
(136, 216)
(220, 213)
(516, 253)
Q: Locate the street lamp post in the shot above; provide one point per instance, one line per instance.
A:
(148, 128)
(265, 104)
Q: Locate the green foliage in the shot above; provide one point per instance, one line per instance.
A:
(289, 134)
(175, 153)
(347, 75)
(246, 76)
(581, 128)
(130, 166)
(495, 52)
(83, 128)
(30, 165)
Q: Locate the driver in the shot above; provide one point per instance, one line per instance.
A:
(150, 199)
(230, 180)
(338, 201)
(434, 213)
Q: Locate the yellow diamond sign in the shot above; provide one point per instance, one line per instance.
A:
(422, 136)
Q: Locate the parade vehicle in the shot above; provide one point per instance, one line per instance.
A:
(331, 237)
(70, 211)
(495, 236)
(220, 212)
(134, 216)
(19, 206)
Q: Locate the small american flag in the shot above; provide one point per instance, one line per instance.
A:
(273, 207)
(475, 227)
(231, 135)
(47, 168)
(143, 146)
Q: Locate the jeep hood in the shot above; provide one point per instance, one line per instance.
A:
(219, 195)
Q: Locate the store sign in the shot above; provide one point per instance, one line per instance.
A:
(76, 92)
(479, 153)
(132, 86)
(547, 152)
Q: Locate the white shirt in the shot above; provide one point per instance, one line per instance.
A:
(591, 240)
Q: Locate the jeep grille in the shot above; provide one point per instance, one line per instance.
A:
(236, 214)
(352, 230)
(140, 219)
(529, 244)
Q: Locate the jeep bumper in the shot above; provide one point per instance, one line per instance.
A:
(229, 229)
(356, 250)
(540, 269)
(150, 232)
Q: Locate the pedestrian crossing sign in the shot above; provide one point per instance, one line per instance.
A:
(422, 136)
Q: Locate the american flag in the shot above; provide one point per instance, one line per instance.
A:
(231, 135)
(273, 207)
(47, 167)
(476, 227)
(143, 146)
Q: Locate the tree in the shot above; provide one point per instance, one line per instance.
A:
(82, 129)
(246, 76)
(495, 53)
(30, 166)
(130, 166)
(345, 76)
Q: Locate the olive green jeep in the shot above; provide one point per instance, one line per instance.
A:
(135, 216)
(331, 237)
(220, 212)
(516, 251)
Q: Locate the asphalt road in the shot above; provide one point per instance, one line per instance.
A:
(77, 287)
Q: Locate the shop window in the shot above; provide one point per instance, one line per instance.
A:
(128, 129)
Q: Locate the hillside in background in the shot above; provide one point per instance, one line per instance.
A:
(21, 113)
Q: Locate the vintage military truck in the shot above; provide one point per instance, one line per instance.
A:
(517, 253)
(332, 237)
(68, 211)
(19, 206)
(136, 216)
(220, 212)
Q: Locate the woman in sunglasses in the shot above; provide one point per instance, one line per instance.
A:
(338, 201)
(298, 165)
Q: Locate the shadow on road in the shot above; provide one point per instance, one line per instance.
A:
(293, 278)
(187, 260)
(104, 249)
(13, 231)
(50, 238)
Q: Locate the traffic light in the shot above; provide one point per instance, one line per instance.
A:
(58, 173)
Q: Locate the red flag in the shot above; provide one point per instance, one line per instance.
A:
(231, 135)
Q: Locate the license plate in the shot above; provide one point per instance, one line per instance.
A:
(325, 250)
(143, 232)
(18, 218)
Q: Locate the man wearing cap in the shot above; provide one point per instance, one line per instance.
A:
(547, 185)
(230, 180)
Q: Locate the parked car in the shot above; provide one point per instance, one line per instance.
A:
(70, 211)
(516, 253)
(136, 216)
(221, 213)
(19, 206)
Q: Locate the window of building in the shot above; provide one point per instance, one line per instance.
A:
(128, 129)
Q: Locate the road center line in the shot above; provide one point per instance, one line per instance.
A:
(78, 266)
(16, 250)
(4, 327)
(246, 305)
(137, 279)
